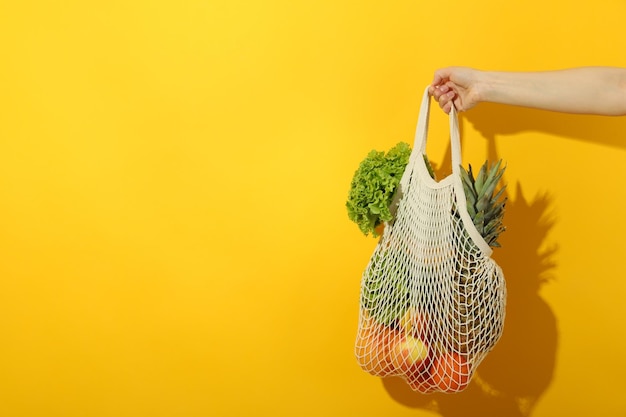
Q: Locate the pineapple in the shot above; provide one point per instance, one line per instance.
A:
(483, 205)
(475, 311)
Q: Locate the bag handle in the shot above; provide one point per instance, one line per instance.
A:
(417, 154)
(419, 148)
(421, 133)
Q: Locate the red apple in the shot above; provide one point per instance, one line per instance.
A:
(421, 382)
(410, 355)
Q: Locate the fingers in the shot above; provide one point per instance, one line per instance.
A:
(438, 85)
(444, 95)
(441, 76)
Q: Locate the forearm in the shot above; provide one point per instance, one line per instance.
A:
(589, 90)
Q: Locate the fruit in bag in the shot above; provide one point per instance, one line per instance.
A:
(373, 347)
(451, 372)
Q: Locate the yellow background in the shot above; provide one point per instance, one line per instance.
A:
(173, 174)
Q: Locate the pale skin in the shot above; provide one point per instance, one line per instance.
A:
(583, 90)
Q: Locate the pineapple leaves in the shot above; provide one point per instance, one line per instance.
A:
(484, 207)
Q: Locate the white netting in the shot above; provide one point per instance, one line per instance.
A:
(432, 299)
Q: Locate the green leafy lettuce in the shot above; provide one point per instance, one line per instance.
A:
(373, 186)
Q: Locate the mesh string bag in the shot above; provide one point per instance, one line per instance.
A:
(432, 301)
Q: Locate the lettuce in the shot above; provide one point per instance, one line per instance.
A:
(373, 185)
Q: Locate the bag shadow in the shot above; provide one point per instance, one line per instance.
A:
(519, 369)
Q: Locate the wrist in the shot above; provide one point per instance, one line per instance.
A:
(485, 90)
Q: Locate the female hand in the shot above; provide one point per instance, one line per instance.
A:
(455, 85)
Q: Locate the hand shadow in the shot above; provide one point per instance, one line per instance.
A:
(515, 374)
(496, 119)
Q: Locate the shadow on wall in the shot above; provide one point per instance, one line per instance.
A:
(515, 374)
(496, 119)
